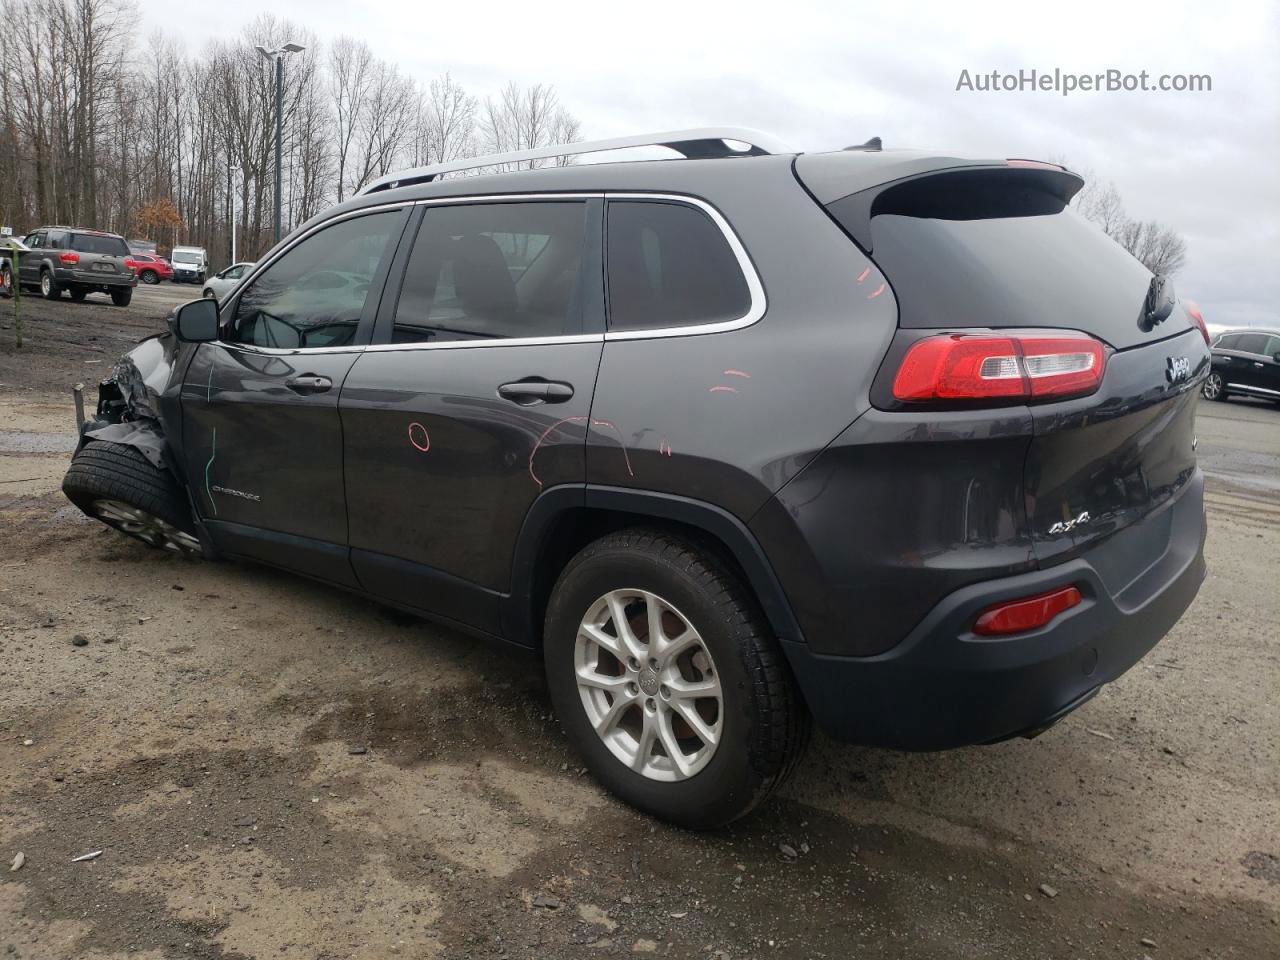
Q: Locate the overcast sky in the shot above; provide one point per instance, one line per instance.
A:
(824, 75)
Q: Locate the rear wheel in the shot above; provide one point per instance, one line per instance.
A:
(122, 296)
(1214, 387)
(122, 488)
(149, 276)
(50, 289)
(665, 677)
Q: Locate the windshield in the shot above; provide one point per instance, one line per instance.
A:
(185, 256)
(91, 243)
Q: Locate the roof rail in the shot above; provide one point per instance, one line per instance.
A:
(695, 144)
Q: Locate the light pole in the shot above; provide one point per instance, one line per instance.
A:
(278, 56)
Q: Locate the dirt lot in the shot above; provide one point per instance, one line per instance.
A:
(273, 769)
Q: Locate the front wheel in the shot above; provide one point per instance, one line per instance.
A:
(666, 678)
(207, 294)
(122, 296)
(6, 281)
(119, 486)
(1214, 387)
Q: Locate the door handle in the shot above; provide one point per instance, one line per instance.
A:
(1256, 363)
(309, 383)
(531, 391)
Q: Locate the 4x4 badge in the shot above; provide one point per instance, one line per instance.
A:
(1066, 526)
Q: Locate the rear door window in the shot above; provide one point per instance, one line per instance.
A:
(1252, 343)
(492, 271)
(670, 265)
(1227, 341)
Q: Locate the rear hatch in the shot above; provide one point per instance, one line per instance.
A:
(996, 247)
(101, 255)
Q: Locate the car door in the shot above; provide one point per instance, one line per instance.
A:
(261, 432)
(1248, 368)
(1270, 372)
(474, 399)
(29, 263)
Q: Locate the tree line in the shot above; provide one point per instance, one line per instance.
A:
(99, 128)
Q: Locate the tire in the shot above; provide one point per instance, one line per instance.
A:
(50, 289)
(149, 277)
(6, 281)
(122, 296)
(1215, 388)
(78, 294)
(755, 718)
(107, 480)
(207, 294)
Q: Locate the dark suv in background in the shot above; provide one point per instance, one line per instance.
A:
(1245, 362)
(890, 439)
(78, 261)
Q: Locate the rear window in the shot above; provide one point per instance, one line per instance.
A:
(670, 266)
(983, 250)
(92, 243)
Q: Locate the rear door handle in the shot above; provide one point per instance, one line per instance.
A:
(1256, 363)
(309, 383)
(531, 391)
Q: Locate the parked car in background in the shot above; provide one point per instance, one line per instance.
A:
(1245, 362)
(190, 264)
(79, 261)
(151, 268)
(671, 425)
(142, 246)
(222, 283)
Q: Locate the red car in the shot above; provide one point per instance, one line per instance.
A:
(149, 267)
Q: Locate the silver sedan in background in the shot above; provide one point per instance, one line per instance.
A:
(221, 284)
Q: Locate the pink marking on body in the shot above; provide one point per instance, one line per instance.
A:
(423, 444)
(546, 433)
(863, 275)
(623, 443)
(737, 373)
(721, 388)
(876, 292)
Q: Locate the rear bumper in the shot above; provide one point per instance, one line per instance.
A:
(944, 686)
(91, 278)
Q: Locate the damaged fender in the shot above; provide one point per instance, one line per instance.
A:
(138, 403)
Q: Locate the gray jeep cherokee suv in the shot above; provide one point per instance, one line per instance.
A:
(892, 440)
(78, 261)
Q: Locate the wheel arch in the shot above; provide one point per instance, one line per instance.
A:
(565, 519)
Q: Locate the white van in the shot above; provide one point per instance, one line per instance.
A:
(190, 264)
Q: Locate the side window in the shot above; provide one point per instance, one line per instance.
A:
(233, 273)
(57, 240)
(670, 266)
(316, 293)
(35, 241)
(1227, 341)
(1272, 347)
(1252, 343)
(494, 270)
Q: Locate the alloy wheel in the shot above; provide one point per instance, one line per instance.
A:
(648, 684)
(46, 283)
(1213, 386)
(147, 527)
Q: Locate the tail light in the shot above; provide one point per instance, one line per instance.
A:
(69, 259)
(959, 366)
(131, 263)
(1193, 308)
(1027, 613)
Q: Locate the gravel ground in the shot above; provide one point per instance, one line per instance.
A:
(274, 769)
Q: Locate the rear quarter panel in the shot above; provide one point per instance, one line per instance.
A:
(728, 418)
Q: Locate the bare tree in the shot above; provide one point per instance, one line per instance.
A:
(350, 63)
(1159, 247)
(446, 128)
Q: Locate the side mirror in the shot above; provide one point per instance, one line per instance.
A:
(195, 322)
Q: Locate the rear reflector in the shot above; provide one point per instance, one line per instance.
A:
(1018, 616)
(957, 366)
